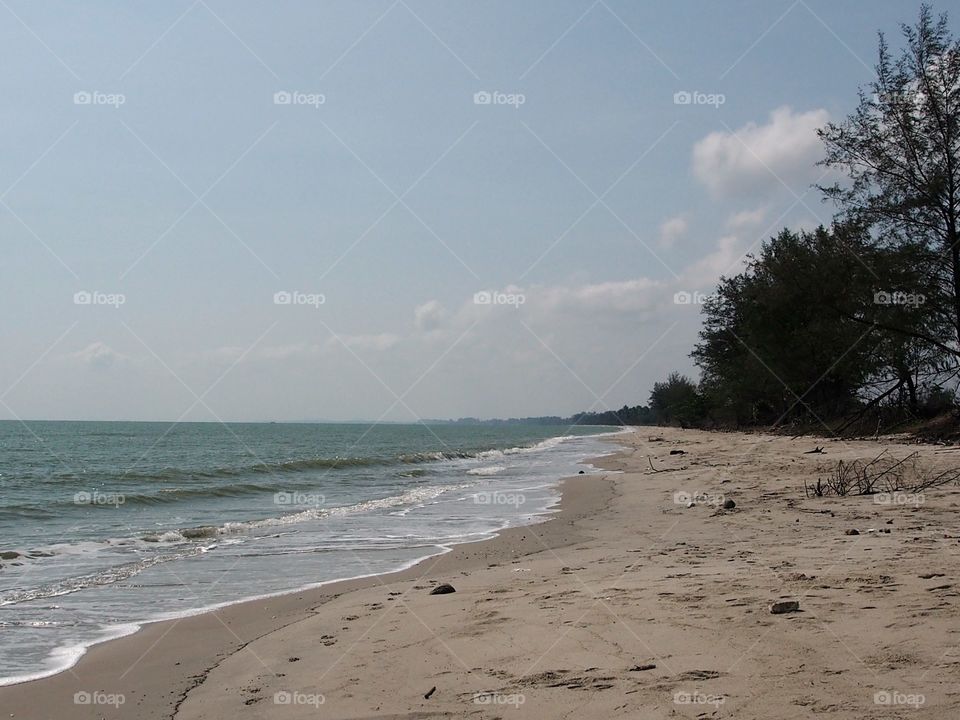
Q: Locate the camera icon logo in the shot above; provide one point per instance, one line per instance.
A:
(883, 697)
(282, 97)
(683, 97)
(482, 98)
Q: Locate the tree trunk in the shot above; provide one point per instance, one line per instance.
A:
(912, 392)
(953, 240)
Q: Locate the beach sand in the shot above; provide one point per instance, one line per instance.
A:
(628, 603)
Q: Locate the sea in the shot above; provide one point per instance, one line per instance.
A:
(105, 526)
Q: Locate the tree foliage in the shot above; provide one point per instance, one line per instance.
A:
(675, 401)
(900, 154)
(863, 316)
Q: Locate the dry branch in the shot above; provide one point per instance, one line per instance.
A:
(882, 474)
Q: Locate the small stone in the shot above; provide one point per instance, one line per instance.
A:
(729, 504)
(784, 606)
(853, 531)
(443, 589)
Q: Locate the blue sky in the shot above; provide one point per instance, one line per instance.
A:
(148, 159)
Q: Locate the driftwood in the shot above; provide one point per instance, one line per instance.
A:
(653, 470)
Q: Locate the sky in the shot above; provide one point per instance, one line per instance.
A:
(220, 210)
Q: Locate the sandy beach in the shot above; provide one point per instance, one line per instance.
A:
(627, 603)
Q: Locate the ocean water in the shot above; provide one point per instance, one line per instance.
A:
(105, 526)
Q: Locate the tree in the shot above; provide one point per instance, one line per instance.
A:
(901, 152)
(675, 401)
(771, 349)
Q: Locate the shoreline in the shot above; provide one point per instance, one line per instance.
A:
(106, 657)
(631, 601)
(75, 652)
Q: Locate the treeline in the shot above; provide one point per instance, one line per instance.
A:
(637, 415)
(859, 322)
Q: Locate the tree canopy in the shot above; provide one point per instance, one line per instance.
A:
(823, 327)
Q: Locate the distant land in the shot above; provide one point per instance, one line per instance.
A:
(636, 415)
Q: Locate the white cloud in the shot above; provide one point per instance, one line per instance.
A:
(747, 219)
(627, 296)
(726, 259)
(282, 352)
(98, 355)
(566, 331)
(429, 316)
(756, 157)
(672, 230)
(227, 353)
